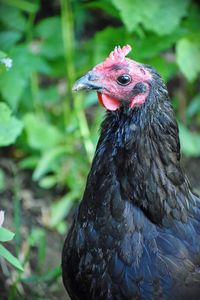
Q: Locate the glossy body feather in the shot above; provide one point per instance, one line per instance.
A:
(136, 234)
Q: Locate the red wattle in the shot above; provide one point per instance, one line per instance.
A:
(108, 102)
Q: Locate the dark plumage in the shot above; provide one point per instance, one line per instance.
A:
(136, 234)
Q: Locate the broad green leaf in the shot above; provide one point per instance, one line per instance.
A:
(49, 31)
(159, 16)
(166, 16)
(188, 58)
(13, 18)
(48, 27)
(132, 12)
(12, 86)
(190, 141)
(27, 6)
(192, 21)
(14, 82)
(152, 46)
(9, 38)
(41, 135)
(6, 235)
(10, 127)
(10, 258)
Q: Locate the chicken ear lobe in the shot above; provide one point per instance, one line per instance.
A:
(138, 100)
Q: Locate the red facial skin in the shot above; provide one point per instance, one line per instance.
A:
(112, 94)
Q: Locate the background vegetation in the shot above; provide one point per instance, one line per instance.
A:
(48, 135)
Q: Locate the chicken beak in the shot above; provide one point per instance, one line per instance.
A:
(87, 82)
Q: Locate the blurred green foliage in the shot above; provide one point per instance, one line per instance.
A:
(5, 236)
(53, 132)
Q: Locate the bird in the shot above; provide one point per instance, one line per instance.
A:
(136, 232)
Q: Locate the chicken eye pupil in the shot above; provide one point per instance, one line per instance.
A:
(124, 79)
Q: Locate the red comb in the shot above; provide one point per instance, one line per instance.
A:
(117, 55)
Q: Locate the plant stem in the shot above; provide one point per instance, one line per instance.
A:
(17, 217)
(74, 100)
(35, 93)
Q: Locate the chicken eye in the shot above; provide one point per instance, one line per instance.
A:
(124, 79)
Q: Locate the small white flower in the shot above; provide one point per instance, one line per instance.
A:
(7, 62)
(1, 217)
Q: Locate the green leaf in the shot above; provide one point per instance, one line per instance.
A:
(194, 106)
(142, 47)
(166, 16)
(9, 38)
(132, 12)
(105, 5)
(51, 275)
(47, 161)
(49, 94)
(188, 57)
(29, 162)
(48, 27)
(35, 236)
(159, 16)
(41, 135)
(49, 31)
(190, 141)
(12, 18)
(10, 127)
(10, 258)
(25, 5)
(193, 17)
(14, 82)
(61, 208)
(48, 182)
(12, 86)
(6, 235)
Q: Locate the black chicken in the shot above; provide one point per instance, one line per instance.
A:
(136, 234)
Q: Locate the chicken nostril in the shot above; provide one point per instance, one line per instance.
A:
(92, 77)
